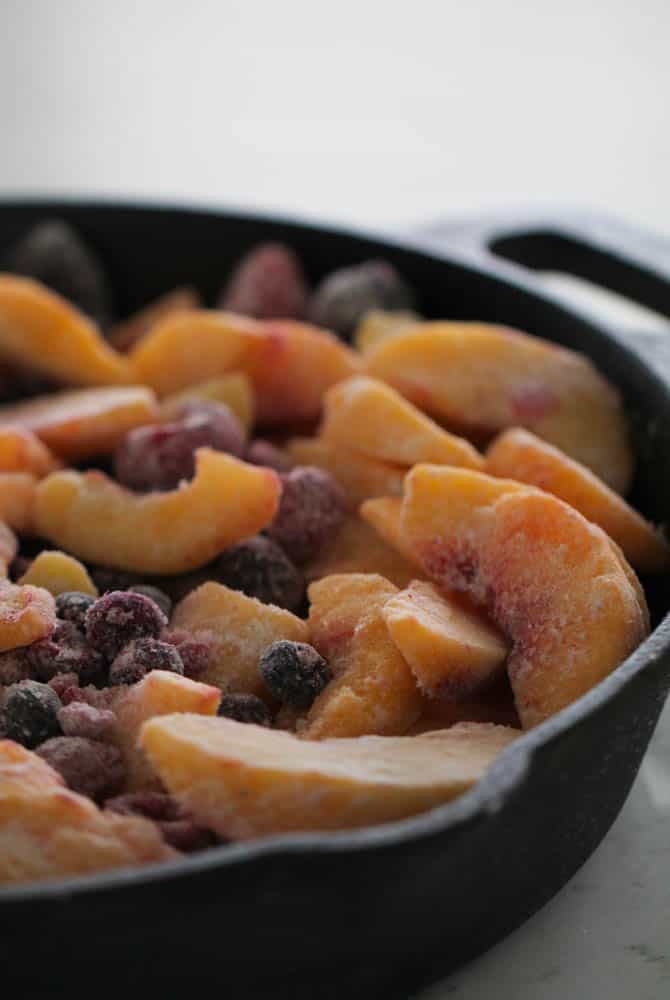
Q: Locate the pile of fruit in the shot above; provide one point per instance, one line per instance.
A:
(303, 561)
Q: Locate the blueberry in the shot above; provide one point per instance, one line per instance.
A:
(72, 605)
(312, 509)
(120, 616)
(86, 766)
(158, 596)
(267, 283)
(141, 656)
(344, 296)
(30, 713)
(261, 569)
(245, 708)
(294, 672)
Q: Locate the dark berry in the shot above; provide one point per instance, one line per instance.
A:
(262, 452)
(261, 569)
(294, 672)
(18, 567)
(119, 617)
(158, 596)
(66, 687)
(72, 605)
(53, 252)
(195, 656)
(15, 666)
(267, 283)
(176, 825)
(141, 656)
(105, 578)
(80, 719)
(312, 509)
(86, 766)
(344, 296)
(30, 713)
(66, 652)
(245, 708)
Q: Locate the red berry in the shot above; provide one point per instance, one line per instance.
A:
(141, 656)
(119, 617)
(87, 767)
(311, 510)
(267, 283)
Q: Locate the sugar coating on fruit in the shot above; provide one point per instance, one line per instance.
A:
(80, 719)
(120, 616)
(311, 510)
(343, 297)
(27, 614)
(179, 829)
(360, 476)
(142, 655)
(260, 568)
(86, 766)
(65, 652)
(268, 283)
(59, 573)
(294, 672)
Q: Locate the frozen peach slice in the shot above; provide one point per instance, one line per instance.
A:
(235, 390)
(550, 580)
(359, 476)
(452, 651)
(365, 414)
(159, 693)
(47, 831)
(357, 548)
(17, 500)
(41, 331)
(237, 629)
(518, 454)
(85, 422)
(248, 781)
(125, 335)
(99, 521)
(377, 324)
(383, 514)
(26, 614)
(373, 690)
(59, 572)
(485, 378)
(22, 451)
(9, 546)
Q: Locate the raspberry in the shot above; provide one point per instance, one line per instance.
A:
(30, 713)
(195, 656)
(120, 616)
(245, 708)
(65, 652)
(87, 767)
(344, 296)
(260, 568)
(141, 656)
(267, 283)
(80, 719)
(158, 596)
(72, 605)
(177, 827)
(15, 666)
(311, 510)
(264, 453)
(294, 672)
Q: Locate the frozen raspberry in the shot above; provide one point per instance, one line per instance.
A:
(66, 652)
(264, 453)
(267, 283)
(344, 296)
(80, 719)
(53, 252)
(105, 578)
(30, 713)
(86, 766)
(120, 616)
(245, 708)
(66, 686)
(103, 698)
(195, 656)
(294, 672)
(141, 656)
(260, 568)
(15, 666)
(176, 825)
(311, 510)
(72, 605)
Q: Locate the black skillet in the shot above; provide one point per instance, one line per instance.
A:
(383, 911)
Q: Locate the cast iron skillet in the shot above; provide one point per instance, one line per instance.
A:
(381, 911)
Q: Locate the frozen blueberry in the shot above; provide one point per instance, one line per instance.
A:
(262, 452)
(311, 510)
(245, 708)
(344, 296)
(158, 596)
(261, 569)
(195, 656)
(14, 666)
(294, 672)
(72, 605)
(53, 252)
(81, 719)
(120, 616)
(86, 766)
(140, 656)
(30, 713)
(267, 283)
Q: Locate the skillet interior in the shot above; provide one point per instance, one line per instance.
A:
(296, 913)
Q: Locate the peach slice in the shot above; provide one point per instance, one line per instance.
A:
(17, 500)
(452, 651)
(550, 580)
(377, 325)
(22, 451)
(357, 548)
(237, 629)
(235, 390)
(485, 378)
(359, 476)
(248, 781)
(384, 514)
(9, 546)
(41, 331)
(518, 454)
(48, 831)
(159, 693)
(365, 414)
(26, 614)
(125, 335)
(373, 690)
(99, 521)
(58, 572)
(85, 422)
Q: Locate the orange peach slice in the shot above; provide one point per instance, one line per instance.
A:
(9, 546)
(452, 651)
(384, 514)
(99, 521)
(377, 325)
(48, 831)
(248, 781)
(26, 614)
(125, 335)
(486, 378)
(550, 580)
(359, 476)
(17, 500)
(373, 690)
(518, 454)
(41, 331)
(358, 548)
(237, 629)
(22, 451)
(235, 390)
(365, 414)
(58, 572)
(159, 693)
(85, 422)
